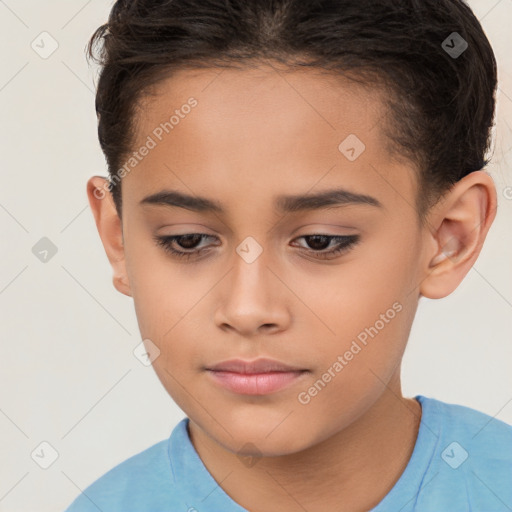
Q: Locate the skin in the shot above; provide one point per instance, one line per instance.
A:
(255, 134)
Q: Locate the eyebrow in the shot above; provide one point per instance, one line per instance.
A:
(283, 203)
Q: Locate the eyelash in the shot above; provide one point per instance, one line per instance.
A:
(345, 244)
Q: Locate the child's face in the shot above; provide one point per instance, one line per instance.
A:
(256, 135)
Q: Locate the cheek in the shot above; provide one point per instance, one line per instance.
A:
(358, 295)
(370, 342)
(356, 369)
(366, 313)
(160, 293)
(167, 305)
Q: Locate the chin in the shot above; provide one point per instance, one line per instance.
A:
(262, 436)
(280, 446)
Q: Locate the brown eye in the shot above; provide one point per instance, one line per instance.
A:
(185, 246)
(320, 242)
(188, 241)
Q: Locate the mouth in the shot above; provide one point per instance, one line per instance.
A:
(258, 377)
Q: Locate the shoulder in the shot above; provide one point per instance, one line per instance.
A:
(473, 454)
(141, 481)
(478, 429)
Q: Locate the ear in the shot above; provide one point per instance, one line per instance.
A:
(459, 226)
(110, 230)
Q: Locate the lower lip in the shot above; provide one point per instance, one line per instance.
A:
(255, 383)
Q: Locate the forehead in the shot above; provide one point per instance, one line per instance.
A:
(264, 100)
(264, 130)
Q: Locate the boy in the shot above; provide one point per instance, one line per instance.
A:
(287, 179)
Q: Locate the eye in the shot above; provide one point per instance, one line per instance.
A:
(343, 243)
(187, 241)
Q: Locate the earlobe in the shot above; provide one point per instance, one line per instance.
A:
(461, 225)
(110, 230)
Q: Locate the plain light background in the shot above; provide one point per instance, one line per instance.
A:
(68, 374)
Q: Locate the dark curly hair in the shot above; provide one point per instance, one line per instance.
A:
(441, 105)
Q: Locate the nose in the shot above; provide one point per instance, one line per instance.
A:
(253, 300)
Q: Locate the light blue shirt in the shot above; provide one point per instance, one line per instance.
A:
(461, 462)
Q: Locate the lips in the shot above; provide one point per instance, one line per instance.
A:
(262, 365)
(258, 377)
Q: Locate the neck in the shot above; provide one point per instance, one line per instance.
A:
(355, 468)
